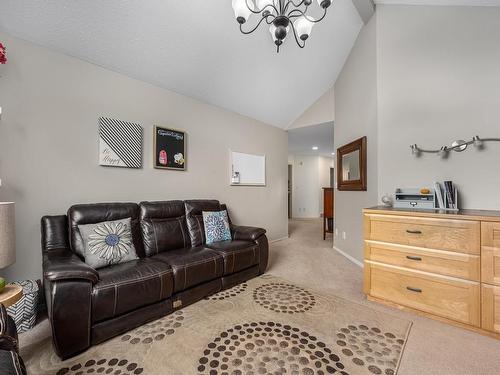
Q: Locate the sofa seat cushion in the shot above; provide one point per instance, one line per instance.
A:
(192, 266)
(125, 287)
(238, 255)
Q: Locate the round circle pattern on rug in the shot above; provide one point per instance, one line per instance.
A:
(371, 348)
(155, 331)
(268, 348)
(103, 366)
(228, 293)
(284, 298)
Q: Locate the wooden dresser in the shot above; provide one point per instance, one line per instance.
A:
(442, 265)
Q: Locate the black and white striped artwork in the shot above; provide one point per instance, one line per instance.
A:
(120, 143)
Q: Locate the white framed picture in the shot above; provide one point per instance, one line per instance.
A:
(247, 169)
(120, 143)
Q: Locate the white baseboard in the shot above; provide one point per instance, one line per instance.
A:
(352, 259)
(279, 239)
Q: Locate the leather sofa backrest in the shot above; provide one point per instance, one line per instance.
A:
(54, 232)
(223, 207)
(194, 217)
(163, 226)
(98, 212)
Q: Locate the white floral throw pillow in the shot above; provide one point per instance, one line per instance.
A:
(108, 243)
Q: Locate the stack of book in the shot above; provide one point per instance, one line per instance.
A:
(447, 196)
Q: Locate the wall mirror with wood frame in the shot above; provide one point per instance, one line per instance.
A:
(351, 166)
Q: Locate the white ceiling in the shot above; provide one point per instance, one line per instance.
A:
(442, 2)
(302, 140)
(194, 48)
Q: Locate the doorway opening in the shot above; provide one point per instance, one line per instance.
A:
(311, 174)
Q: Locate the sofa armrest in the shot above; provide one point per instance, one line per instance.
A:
(62, 264)
(246, 233)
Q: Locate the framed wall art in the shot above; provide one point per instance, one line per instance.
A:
(247, 169)
(169, 148)
(120, 143)
(351, 166)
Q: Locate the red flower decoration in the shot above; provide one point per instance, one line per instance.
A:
(3, 54)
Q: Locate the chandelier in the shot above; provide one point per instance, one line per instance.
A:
(281, 16)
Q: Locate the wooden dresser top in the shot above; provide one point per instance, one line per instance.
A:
(483, 215)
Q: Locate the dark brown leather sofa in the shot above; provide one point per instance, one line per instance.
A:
(176, 268)
(10, 361)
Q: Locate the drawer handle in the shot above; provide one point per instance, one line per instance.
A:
(413, 257)
(416, 290)
(413, 231)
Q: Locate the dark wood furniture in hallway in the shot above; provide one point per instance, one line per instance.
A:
(327, 211)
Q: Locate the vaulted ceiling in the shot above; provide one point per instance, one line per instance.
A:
(194, 48)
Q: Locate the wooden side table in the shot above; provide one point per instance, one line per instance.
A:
(11, 294)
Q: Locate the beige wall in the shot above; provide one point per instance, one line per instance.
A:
(426, 75)
(356, 116)
(49, 138)
(310, 173)
(320, 112)
(438, 81)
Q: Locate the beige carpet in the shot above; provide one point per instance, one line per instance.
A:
(433, 347)
(265, 326)
(305, 259)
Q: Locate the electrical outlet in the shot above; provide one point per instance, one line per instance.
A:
(344, 236)
(336, 232)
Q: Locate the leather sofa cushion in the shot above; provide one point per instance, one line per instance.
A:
(128, 286)
(194, 218)
(99, 212)
(238, 255)
(163, 226)
(192, 266)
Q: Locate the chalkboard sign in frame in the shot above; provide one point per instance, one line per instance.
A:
(169, 147)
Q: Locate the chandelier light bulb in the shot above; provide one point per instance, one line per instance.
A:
(303, 26)
(241, 10)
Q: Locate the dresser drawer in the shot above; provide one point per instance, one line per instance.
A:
(462, 236)
(490, 253)
(464, 266)
(490, 317)
(439, 295)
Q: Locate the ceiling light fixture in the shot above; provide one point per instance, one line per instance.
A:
(315, 148)
(281, 16)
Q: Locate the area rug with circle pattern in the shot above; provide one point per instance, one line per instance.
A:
(264, 326)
